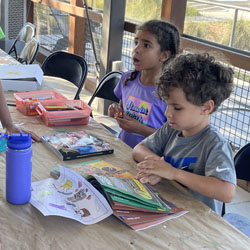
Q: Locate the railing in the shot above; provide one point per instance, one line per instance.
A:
(233, 118)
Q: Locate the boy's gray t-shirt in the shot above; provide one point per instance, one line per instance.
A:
(206, 153)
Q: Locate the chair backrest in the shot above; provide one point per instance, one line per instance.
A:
(68, 66)
(29, 52)
(242, 163)
(242, 166)
(105, 89)
(27, 32)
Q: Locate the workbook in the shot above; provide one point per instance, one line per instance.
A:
(135, 204)
(69, 145)
(70, 196)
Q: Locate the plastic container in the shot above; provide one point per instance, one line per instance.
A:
(78, 116)
(18, 168)
(3, 145)
(26, 102)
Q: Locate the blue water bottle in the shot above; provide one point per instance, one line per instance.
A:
(18, 168)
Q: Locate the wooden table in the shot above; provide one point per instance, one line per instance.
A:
(24, 227)
(7, 59)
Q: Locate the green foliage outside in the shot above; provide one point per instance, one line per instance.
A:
(143, 10)
(140, 10)
(192, 11)
(219, 31)
(98, 4)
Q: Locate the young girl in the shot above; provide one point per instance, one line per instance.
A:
(156, 43)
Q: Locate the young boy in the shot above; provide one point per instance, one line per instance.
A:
(187, 148)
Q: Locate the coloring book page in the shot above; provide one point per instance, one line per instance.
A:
(70, 196)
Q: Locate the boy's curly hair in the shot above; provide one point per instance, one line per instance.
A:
(199, 76)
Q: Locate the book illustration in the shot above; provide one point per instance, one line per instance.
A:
(70, 196)
(74, 145)
(98, 167)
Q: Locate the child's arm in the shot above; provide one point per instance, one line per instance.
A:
(6, 120)
(140, 151)
(5, 114)
(206, 185)
(133, 126)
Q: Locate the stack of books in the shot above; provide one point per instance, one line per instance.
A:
(135, 204)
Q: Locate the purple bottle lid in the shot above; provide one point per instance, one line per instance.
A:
(19, 141)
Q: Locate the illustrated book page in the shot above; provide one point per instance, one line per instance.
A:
(98, 167)
(70, 196)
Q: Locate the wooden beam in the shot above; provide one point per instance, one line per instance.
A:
(228, 56)
(71, 9)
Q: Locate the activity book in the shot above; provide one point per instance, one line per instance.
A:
(70, 196)
(135, 204)
(74, 145)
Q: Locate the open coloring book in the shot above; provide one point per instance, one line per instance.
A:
(70, 196)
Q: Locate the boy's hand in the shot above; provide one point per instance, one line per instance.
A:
(153, 166)
(151, 179)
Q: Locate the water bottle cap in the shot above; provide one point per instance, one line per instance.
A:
(19, 141)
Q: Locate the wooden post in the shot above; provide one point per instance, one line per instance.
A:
(30, 11)
(76, 31)
(112, 36)
(174, 12)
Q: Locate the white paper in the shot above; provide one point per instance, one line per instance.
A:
(70, 196)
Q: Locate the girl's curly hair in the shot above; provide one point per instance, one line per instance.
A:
(199, 76)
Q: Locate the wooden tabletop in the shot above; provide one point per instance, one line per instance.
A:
(24, 227)
(7, 59)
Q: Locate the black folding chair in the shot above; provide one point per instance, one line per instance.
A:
(27, 32)
(105, 90)
(67, 66)
(242, 167)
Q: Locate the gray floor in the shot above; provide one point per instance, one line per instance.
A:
(240, 204)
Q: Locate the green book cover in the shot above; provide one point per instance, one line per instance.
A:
(2, 35)
(127, 188)
(126, 201)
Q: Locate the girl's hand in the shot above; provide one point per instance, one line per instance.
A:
(129, 124)
(114, 109)
(153, 166)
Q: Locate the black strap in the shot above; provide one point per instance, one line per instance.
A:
(223, 211)
(97, 63)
